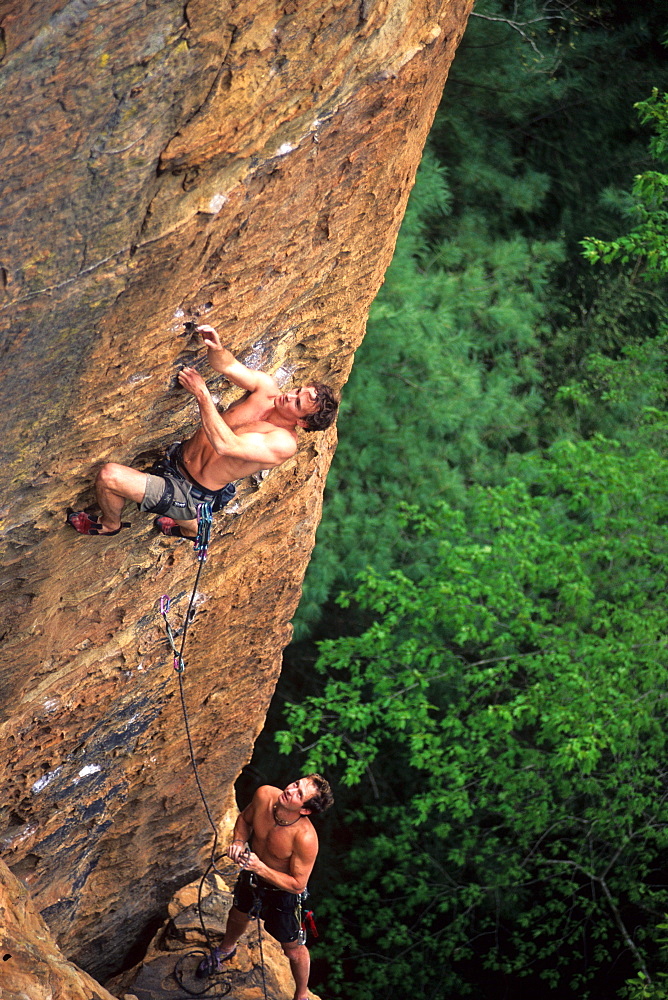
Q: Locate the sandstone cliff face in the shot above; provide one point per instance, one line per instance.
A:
(32, 964)
(248, 164)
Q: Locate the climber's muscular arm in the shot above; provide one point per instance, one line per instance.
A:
(265, 450)
(222, 360)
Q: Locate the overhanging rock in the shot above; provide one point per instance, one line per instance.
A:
(247, 164)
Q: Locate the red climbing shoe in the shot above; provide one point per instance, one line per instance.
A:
(168, 526)
(88, 524)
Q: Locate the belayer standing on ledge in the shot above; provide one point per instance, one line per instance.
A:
(257, 432)
(276, 868)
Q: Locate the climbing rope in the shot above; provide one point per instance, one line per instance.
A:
(254, 912)
(206, 963)
(204, 521)
(259, 941)
(200, 959)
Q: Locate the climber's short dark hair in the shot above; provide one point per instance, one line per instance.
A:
(327, 404)
(323, 797)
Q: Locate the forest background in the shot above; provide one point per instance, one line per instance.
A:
(480, 657)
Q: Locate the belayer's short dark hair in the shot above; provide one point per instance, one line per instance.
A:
(327, 404)
(323, 797)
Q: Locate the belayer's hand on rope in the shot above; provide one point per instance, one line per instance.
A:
(236, 850)
(248, 861)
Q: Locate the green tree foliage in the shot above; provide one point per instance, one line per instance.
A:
(445, 382)
(534, 131)
(613, 395)
(486, 313)
(508, 710)
(646, 244)
(495, 710)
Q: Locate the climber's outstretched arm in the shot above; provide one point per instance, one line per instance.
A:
(222, 360)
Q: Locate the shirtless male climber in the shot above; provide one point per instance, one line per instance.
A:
(257, 432)
(275, 871)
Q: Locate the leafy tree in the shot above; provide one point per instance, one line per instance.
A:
(641, 987)
(444, 384)
(613, 395)
(646, 244)
(509, 710)
(486, 313)
(495, 707)
(533, 132)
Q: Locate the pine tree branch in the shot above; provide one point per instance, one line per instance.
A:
(549, 14)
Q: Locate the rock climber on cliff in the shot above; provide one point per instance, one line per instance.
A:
(257, 432)
(276, 868)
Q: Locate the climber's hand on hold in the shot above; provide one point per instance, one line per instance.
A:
(210, 337)
(191, 380)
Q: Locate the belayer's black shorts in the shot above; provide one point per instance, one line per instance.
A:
(278, 908)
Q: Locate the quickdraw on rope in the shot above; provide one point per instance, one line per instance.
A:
(204, 521)
(165, 602)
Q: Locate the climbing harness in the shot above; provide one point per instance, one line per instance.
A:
(171, 469)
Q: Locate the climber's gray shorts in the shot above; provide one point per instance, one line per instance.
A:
(182, 505)
(171, 494)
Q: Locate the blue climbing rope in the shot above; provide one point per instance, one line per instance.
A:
(204, 522)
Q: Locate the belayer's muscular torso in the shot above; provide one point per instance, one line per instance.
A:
(276, 845)
(283, 851)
